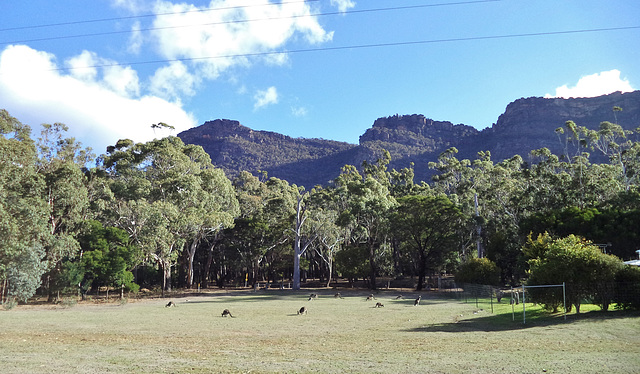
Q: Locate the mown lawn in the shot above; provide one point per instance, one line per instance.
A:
(336, 336)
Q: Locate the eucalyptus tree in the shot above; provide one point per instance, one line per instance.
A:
(267, 210)
(172, 184)
(616, 143)
(366, 201)
(62, 162)
(24, 226)
(429, 226)
(322, 225)
(453, 176)
(546, 182)
(301, 242)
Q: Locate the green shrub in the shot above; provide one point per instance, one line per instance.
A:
(478, 271)
(627, 293)
(578, 263)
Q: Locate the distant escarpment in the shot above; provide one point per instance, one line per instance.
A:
(530, 123)
(526, 124)
(234, 148)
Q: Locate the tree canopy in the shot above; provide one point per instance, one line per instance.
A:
(160, 214)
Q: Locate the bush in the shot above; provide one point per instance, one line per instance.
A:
(581, 266)
(478, 271)
(627, 293)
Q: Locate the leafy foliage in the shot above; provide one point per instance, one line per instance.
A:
(577, 263)
(478, 271)
(429, 228)
(163, 207)
(24, 229)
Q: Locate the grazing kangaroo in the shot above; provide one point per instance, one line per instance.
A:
(170, 304)
(371, 297)
(379, 305)
(226, 312)
(313, 296)
(338, 296)
(303, 310)
(415, 303)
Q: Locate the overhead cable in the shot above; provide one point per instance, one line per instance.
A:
(246, 21)
(363, 46)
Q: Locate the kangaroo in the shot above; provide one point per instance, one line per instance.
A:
(313, 296)
(226, 312)
(415, 303)
(170, 304)
(338, 296)
(303, 310)
(379, 305)
(398, 297)
(371, 297)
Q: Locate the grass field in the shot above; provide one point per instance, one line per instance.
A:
(345, 335)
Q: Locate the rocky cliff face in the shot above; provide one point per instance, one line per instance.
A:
(530, 123)
(234, 147)
(526, 124)
(416, 130)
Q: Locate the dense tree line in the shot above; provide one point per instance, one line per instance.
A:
(160, 215)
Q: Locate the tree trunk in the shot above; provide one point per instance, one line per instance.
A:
(297, 251)
(296, 266)
(191, 254)
(330, 265)
(422, 270)
(166, 276)
(372, 265)
(207, 265)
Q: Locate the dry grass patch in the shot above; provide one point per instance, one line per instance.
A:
(336, 336)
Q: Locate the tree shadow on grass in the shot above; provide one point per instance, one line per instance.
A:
(505, 322)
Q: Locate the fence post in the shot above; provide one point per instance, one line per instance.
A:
(564, 301)
(491, 296)
(513, 306)
(524, 307)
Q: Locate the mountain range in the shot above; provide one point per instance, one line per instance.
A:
(526, 124)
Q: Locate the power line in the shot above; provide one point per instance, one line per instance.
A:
(361, 46)
(148, 15)
(359, 11)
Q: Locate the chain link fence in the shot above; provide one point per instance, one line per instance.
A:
(608, 296)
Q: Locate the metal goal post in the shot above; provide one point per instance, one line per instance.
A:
(524, 307)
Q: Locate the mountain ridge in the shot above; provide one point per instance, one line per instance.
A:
(526, 124)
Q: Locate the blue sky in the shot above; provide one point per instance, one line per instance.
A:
(314, 69)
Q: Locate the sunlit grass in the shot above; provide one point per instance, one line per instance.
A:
(336, 336)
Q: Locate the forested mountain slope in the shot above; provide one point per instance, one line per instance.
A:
(526, 124)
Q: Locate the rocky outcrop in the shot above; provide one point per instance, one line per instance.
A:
(416, 130)
(526, 124)
(530, 123)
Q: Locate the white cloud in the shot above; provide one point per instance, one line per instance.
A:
(100, 105)
(265, 97)
(343, 5)
(299, 111)
(133, 6)
(173, 81)
(120, 79)
(136, 39)
(593, 85)
(83, 66)
(216, 40)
